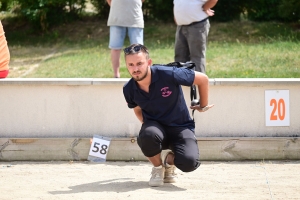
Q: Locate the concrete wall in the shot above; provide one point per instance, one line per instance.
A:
(53, 119)
(55, 108)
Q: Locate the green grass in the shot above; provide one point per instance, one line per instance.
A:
(80, 49)
(267, 60)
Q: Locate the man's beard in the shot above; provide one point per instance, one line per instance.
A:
(141, 78)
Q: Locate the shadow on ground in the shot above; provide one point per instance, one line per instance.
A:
(115, 185)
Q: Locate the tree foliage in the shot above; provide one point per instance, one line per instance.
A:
(228, 10)
(43, 14)
(102, 8)
(290, 10)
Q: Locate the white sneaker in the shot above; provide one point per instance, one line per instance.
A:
(170, 176)
(157, 178)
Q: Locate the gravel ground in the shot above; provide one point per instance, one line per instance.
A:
(129, 180)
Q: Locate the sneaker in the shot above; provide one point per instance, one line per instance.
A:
(157, 178)
(170, 176)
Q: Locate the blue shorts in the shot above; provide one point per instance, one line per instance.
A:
(117, 36)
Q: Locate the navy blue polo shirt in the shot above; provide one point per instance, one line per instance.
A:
(165, 101)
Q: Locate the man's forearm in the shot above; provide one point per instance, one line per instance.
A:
(203, 94)
(209, 4)
(109, 2)
(202, 81)
(138, 113)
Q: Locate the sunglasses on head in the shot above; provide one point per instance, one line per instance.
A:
(135, 49)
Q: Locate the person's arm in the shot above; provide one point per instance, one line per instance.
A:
(109, 2)
(4, 51)
(201, 80)
(209, 4)
(174, 16)
(138, 112)
(207, 7)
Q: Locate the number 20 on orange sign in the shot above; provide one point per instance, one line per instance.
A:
(277, 107)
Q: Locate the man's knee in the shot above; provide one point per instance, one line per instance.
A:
(187, 164)
(146, 137)
(150, 139)
(148, 144)
(149, 133)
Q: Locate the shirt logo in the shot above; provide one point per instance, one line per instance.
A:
(165, 91)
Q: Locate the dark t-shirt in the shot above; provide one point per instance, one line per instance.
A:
(165, 101)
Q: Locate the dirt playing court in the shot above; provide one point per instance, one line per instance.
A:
(129, 180)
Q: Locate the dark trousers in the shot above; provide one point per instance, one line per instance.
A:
(155, 137)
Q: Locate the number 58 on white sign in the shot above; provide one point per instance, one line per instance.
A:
(99, 148)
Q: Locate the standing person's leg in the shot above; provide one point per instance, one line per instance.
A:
(152, 141)
(136, 35)
(182, 52)
(116, 41)
(197, 40)
(115, 60)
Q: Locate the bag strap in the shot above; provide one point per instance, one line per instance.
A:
(189, 65)
(193, 94)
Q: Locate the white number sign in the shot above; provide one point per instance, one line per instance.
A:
(99, 147)
(277, 108)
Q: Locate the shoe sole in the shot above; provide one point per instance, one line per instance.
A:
(169, 181)
(156, 185)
